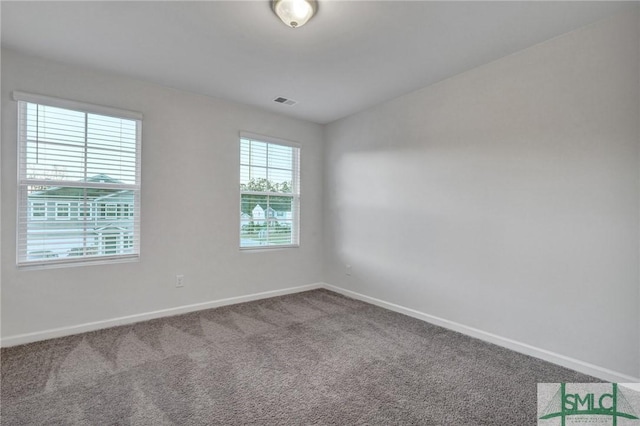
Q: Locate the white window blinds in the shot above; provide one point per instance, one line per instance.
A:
(269, 193)
(78, 182)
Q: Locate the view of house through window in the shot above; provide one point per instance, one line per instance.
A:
(269, 194)
(79, 185)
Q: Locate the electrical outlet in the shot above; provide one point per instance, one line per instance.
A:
(347, 269)
(179, 280)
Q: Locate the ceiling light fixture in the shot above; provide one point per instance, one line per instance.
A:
(294, 13)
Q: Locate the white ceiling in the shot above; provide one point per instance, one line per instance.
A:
(351, 55)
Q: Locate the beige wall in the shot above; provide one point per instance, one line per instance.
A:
(190, 199)
(504, 199)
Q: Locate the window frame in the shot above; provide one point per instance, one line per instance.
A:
(38, 204)
(111, 210)
(84, 210)
(23, 216)
(60, 205)
(295, 194)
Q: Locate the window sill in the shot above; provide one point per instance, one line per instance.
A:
(55, 264)
(259, 249)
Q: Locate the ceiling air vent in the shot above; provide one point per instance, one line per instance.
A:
(285, 101)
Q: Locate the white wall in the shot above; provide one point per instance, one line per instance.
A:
(505, 198)
(190, 202)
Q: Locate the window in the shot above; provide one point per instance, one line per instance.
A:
(269, 192)
(38, 210)
(102, 208)
(73, 158)
(84, 210)
(112, 210)
(127, 241)
(62, 211)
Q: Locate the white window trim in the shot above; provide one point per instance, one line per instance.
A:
(39, 204)
(269, 139)
(84, 210)
(295, 195)
(75, 105)
(63, 204)
(135, 211)
(111, 210)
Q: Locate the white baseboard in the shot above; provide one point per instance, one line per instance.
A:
(565, 361)
(130, 319)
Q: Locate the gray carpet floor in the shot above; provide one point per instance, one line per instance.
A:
(310, 358)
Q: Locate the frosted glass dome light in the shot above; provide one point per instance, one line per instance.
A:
(294, 13)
